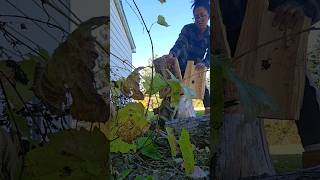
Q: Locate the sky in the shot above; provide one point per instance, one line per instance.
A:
(177, 14)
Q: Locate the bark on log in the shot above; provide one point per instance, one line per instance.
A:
(303, 174)
(243, 149)
(198, 128)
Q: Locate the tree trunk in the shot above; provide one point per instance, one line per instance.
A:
(243, 149)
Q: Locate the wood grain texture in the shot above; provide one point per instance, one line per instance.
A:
(195, 79)
(279, 67)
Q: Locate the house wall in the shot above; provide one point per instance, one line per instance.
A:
(37, 32)
(119, 45)
(86, 9)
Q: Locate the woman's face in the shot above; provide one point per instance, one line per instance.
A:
(201, 18)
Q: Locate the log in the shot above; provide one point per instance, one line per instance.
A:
(198, 128)
(302, 174)
(243, 149)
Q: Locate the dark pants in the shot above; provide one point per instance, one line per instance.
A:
(206, 99)
(309, 122)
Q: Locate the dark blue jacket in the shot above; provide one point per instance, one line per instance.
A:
(191, 46)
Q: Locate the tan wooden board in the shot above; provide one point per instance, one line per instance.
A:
(195, 79)
(279, 67)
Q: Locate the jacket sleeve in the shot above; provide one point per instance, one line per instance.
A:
(311, 8)
(181, 44)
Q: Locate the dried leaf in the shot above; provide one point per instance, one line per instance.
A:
(72, 65)
(131, 86)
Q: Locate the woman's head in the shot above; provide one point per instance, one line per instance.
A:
(201, 13)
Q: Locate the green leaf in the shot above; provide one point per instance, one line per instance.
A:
(175, 87)
(139, 178)
(172, 141)
(162, 1)
(158, 84)
(148, 148)
(70, 154)
(161, 21)
(187, 151)
(124, 174)
(22, 125)
(27, 67)
(120, 146)
(148, 178)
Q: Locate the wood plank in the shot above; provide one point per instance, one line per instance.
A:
(279, 67)
(195, 79)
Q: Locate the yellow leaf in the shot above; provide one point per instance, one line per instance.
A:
(187, 151)
(128, 124)
(172, 141)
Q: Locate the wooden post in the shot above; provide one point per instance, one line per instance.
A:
(243, 148)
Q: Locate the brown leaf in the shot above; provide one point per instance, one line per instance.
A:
(71, 66)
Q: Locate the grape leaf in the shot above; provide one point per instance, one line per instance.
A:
(148, 148)
(187, 151)
(139, 178)
(119, 146)
(70, 154)
(149, 178)
(72, 64)
(128, 124)
(124, 174)
(161, 21)
(130, 86)
(24, 70)
(158, 84)
(175, 88)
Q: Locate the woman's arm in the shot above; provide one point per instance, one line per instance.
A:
(181, 43)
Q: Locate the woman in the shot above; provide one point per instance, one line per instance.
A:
(194, 42)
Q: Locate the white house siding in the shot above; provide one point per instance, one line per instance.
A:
(119, 42)
(86, 9)
(31, 9)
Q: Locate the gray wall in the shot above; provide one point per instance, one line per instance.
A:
(39, 36)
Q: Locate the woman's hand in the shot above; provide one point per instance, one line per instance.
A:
(287, 15)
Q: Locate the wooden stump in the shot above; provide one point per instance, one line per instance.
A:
(243, 149)
(198, 128)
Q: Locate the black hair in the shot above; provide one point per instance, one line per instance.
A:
(201, 3)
